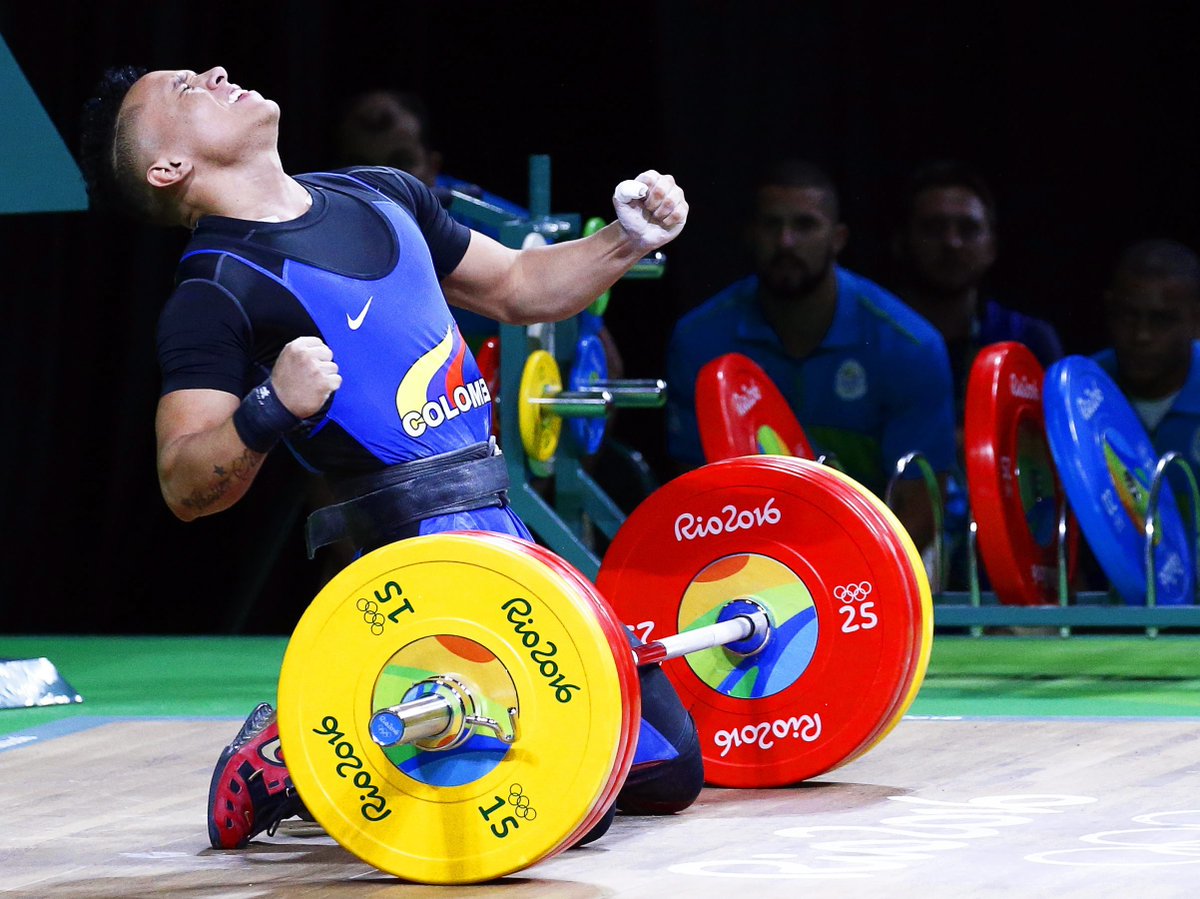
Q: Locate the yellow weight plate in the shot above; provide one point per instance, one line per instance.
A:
(495, 618)
(540, 428)
(618, 641)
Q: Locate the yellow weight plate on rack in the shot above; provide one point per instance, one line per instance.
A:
(540, 428)
(517, 633)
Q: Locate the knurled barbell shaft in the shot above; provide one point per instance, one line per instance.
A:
(432, 716)
(576, 403)
(651, 266)
(631, 393)
(740, 627)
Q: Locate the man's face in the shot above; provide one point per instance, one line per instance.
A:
(1151, 322)
(949, 242)
(795, 239)
(203, 116)
(379, 131)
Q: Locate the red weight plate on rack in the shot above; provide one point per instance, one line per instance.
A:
(488, 359)
(826, 565)
(741, 412)
(631, 708)
(1012, 485)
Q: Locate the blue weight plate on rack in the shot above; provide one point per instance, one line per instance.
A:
(1106, 461)
(590, 365)
(589, 324)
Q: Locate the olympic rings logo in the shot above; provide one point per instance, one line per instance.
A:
(372, 615)
(520, 803)
(852, 592)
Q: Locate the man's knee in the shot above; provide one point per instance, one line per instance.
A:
(666, 787)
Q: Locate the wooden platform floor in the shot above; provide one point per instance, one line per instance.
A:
(943, 808)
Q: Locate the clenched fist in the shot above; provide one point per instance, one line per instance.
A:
(305, 376)
(651, 209)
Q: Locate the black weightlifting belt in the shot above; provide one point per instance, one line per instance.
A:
(374, 508)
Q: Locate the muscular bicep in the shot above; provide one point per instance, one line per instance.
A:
(482, 281)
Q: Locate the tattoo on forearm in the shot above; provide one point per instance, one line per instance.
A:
(240, 469)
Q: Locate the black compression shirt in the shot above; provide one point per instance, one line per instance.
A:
(361, 271)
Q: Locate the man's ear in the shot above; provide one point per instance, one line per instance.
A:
(167, 172)
(841, 235)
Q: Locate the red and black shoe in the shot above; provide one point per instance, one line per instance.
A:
(250, 790)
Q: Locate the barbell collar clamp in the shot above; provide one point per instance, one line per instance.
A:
(485, 723)
(743, 627)
(428, 719)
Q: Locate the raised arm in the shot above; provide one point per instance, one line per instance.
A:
(553, 282)
(211, 444)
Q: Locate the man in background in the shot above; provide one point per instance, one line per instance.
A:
(945, 244)
(1152, 312)
(867, 378)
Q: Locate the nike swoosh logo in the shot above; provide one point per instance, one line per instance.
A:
(356, 323)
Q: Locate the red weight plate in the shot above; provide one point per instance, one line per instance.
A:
(631, 710)
(1013, 489)
(741, 412)
(488, 359)
(921, 598)
(910, 566)
(825, 564)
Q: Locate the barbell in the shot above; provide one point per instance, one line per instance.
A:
(456, 707)
(584, 402)
(589, 396)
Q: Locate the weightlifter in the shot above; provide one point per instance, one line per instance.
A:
(312, 311)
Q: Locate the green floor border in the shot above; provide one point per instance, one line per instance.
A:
(224, 677)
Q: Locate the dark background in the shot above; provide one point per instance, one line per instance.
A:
(1084, 122)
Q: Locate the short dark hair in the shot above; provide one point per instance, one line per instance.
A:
(107, 152)
(353, 123)
(794, 172)
(1159, 258)
(946, 173)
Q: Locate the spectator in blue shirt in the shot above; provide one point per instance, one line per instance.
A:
(868, 379)
(945, 244)
(1152, 311)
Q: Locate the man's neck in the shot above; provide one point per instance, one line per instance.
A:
(802, 322)
(951, 314)
(257, 192)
